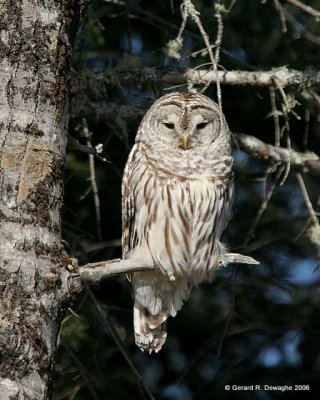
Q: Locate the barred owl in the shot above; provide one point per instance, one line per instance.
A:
(177, 193)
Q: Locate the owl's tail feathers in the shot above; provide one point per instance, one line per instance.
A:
(150, 331)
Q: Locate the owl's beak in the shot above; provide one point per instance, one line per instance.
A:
(185, 141)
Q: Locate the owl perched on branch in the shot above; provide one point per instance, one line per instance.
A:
(177, 193)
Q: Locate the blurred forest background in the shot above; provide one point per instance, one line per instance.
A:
(254, 324)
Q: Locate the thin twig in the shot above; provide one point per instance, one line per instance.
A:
(283, 94)
(204, 348)
(306, 197)
(86, 376)
(75, 145)
(264, 179)
(286, 109)
(275, 115)
(151, 17)
(303, 230)
(262, 207)
(287, 164)
(306, 128)
(229, 370)
(184, 21)
(218, 9)
(302, 30)
(232, 3)
(304, 7)
(231, 312)
(111, 330)
(86, 133)
(227, 53)
(279, 8)
(194, 14)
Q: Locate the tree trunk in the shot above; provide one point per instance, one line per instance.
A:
(37, 278)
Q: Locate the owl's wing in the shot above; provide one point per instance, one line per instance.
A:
(228, 199)
(224, 196)
(128, 202)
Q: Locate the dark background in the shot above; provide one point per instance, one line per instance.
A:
(254, 324)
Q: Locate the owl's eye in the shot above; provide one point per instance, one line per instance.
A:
(202, 125)
(169, 125)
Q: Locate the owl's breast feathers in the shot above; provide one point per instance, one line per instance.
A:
(176, 210)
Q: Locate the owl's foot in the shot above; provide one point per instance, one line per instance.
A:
(151, 342)
(149, 330)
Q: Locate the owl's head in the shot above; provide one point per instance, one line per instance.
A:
(183, 121)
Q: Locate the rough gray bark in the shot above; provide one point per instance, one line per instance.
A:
(37, 278)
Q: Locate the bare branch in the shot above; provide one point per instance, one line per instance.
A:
(285, 77)
(304, 7)
(96, 272)
(305, 162)
(151, 76)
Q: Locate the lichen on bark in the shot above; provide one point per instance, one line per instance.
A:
(37, 278)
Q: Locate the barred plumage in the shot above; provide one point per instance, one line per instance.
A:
(177, 194)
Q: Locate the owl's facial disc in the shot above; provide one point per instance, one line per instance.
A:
(185, 128)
